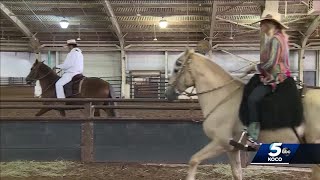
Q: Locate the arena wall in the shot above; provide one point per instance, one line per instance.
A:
(124, 141)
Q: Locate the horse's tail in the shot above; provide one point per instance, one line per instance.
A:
(112, 94)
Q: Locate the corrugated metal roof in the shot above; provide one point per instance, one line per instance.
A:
(192, 16)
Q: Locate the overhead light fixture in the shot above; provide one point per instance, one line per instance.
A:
(163, 23)
(64, 24)
(79, 39)
(154, 30)
(317, 35)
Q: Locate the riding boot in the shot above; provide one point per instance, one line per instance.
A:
(253, 134)
(254, 130)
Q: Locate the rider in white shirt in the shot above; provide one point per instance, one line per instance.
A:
(72, 66)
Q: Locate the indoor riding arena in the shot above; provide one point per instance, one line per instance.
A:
(127, 127)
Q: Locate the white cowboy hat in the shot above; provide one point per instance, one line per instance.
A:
(272, 16)
(71, 41)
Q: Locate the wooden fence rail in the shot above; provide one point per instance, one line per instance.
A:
(71, 107)
(150, 100)
(87, 128)
(96, 119)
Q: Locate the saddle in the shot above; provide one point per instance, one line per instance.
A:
(279, 109)
(73, 87)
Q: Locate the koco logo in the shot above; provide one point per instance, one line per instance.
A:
(275, 150)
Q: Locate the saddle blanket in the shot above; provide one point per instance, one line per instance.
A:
(279, 109)
(73, 88)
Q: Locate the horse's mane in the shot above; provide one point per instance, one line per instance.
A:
(45, 69)
(217, 68)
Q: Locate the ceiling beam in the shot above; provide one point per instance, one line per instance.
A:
(156, 4)
(113, 18)
(127, 3)
(213, 18)
(34, 42)
(212, 24)
(51, 4)
(236, 23)
(312, 27)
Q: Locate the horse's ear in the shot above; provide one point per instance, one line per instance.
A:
(189, 51)
(42, 61)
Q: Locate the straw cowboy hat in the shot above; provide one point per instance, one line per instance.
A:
(71, 41)
(272, 16)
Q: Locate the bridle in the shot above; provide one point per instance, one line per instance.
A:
(186, 65)
(41, 76)
(45, 75)
(50, 85)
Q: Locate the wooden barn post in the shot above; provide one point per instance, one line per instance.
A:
(87, 135)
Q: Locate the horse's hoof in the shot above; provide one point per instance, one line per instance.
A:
(190, 178)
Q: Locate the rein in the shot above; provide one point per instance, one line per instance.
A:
(45, 75)
(207, 91)
(50, 85)
(187, 64)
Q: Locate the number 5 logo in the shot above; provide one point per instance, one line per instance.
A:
(275, 149)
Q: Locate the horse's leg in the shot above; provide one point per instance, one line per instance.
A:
(316, 167)
(211, 150)
(110, 112)
(62, 113)
(235, 162)
(315, 172)
(97, 112)
(42, 111)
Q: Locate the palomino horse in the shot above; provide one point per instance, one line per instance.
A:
(90, 87)
(220, 96)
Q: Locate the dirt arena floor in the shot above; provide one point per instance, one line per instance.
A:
(102, 171)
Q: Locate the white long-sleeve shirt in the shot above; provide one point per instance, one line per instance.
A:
(73, 62)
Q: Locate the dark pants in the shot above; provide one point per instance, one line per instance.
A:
(254, 98)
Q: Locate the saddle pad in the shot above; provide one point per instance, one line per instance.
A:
(74, 86)
(282, 108)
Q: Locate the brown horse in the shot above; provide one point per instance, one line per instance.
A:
(90, 88)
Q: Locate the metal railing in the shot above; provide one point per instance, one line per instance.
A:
(115, 82)
(14, 81)
(147, 87)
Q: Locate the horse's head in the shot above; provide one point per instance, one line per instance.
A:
(181, 77)
(38, 71)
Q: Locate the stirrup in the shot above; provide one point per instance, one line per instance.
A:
(238, 144)
(243, 147)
